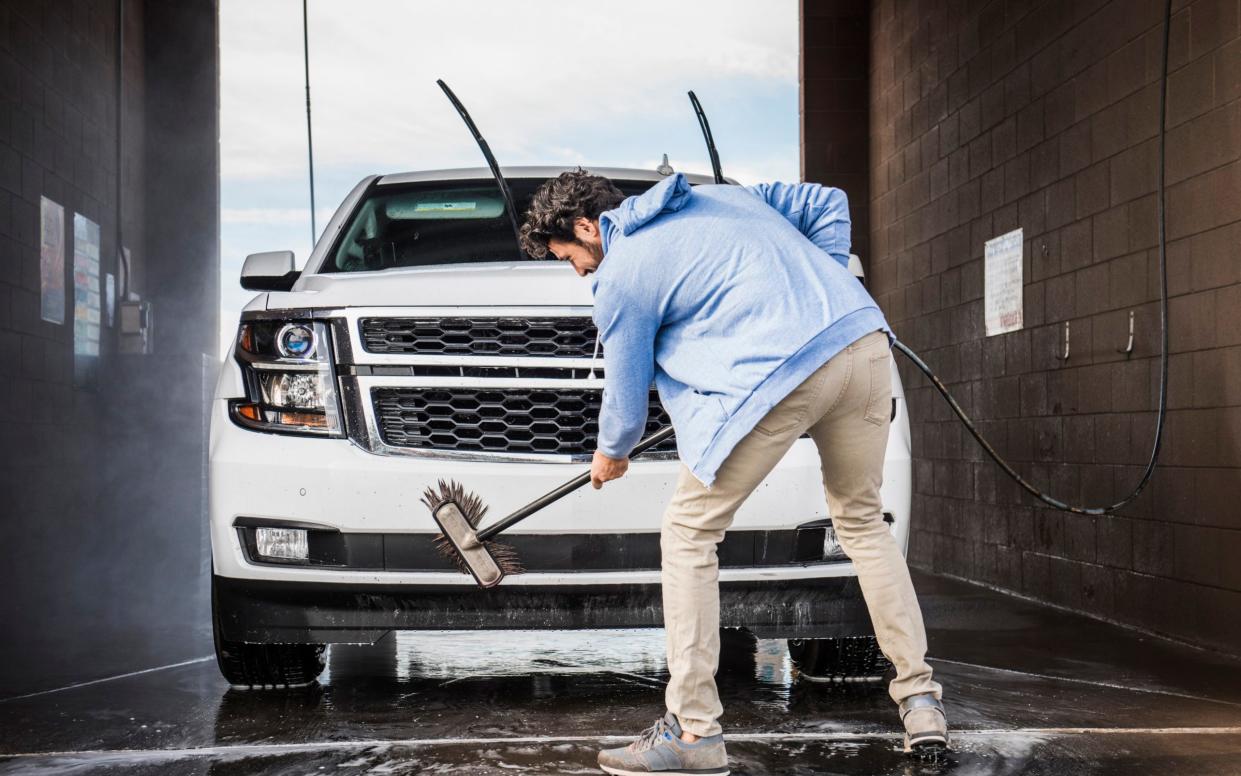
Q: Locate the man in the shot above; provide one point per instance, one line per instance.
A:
(738, 303)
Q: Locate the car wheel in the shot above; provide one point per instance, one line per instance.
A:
(737, 649)
(264, 666)
(844, 659)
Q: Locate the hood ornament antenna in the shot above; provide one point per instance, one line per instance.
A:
(706, 135)
(510, 205)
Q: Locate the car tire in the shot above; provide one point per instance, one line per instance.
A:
(264, 666)
(844, 659)
(738, 647)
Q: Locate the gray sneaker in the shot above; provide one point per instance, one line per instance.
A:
(660, 750)
(926, 725)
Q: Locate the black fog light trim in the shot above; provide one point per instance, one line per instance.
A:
(568, 553)
(328, 547)
(816, 542)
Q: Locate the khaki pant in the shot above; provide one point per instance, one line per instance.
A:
(846, 407)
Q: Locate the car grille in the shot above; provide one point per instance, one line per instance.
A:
(566, 337)
(503, 420)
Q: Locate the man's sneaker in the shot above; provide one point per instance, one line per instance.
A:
(926, 726)
(660, 750)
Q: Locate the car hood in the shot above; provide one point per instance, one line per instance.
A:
(515, 284)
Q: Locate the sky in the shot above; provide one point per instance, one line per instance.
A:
(546, 81)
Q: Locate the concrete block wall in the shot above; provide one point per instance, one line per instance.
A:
(100, 480)
(57, 139)
(835, 104)
(989, 115)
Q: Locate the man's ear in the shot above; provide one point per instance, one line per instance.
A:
(585, 230)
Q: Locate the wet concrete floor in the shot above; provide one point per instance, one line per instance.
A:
(1029, 690)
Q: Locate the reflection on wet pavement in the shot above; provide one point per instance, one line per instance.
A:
(1031, 690)
(1028, 754)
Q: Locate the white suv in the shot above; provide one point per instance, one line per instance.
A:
(418, 345)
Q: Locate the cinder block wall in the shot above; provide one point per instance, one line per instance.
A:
(834, 102)
(989, 116)
(101, 494)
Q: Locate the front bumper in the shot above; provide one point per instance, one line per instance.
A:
(334, 484)
(285, 612)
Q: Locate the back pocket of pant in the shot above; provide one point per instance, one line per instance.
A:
(879, 402)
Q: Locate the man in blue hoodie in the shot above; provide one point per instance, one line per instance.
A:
(738, 304)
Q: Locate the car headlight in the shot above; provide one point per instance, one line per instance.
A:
(290, 387)
(296, 340)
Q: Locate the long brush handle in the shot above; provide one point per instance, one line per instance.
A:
(566, 489)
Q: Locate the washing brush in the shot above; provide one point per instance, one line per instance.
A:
(472, 550)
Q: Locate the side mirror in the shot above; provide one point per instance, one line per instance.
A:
(270, 271)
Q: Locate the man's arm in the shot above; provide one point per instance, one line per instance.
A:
(821, 213)
(627, 328)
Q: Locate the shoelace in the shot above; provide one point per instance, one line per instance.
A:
(650, 736)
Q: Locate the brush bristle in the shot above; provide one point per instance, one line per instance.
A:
(471, 505)
(473, 510)
(504, 555)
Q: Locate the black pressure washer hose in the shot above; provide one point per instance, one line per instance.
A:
(1163, 326)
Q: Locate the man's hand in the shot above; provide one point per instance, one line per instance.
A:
(604, 469)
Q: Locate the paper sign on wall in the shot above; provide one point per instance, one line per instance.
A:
(1002, 289)
(51, 261)
(86, 292)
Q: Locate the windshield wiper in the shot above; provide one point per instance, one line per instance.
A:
(491, 162)
(706, 135)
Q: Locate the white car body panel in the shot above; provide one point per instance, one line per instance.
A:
(515, 284)
(333, 483)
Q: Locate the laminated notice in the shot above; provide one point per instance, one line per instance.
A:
(1002, 285)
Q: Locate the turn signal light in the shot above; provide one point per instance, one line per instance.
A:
(262, 418)
(302, 419)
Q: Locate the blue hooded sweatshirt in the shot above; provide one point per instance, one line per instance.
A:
(728, 298)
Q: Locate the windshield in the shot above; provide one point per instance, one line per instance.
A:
(439, 222)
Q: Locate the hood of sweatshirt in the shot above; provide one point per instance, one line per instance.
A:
(668, 196)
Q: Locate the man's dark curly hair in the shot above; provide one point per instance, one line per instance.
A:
(561, 200)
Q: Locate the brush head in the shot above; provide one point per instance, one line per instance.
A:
(458, 513)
